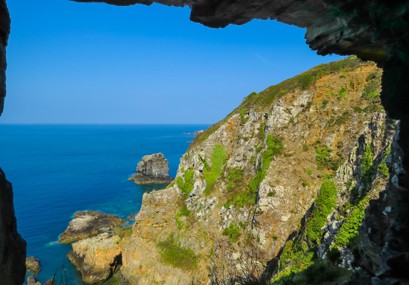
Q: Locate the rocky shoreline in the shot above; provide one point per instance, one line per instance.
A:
(95, 239)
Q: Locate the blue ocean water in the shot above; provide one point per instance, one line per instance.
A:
(57, 170)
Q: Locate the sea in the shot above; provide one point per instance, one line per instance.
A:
(57, 170)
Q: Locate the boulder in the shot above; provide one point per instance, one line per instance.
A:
(33, 264)
(152, 169)
(97, 258)
(88, 224)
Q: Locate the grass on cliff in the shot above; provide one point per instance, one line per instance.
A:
(176, 255)
(186, 184)
(184, 212)
(350, 227)
(274, 147)
(323, 206)
(214, 171)
(233, 232)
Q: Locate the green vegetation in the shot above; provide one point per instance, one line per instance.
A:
(324, 204)
(383, 169)
(342, 92)
(309, 171)
(186, 184)
(177, 256)
(321, 272)
(183, 212)
(234, 178)
(350, 228)
(244, 119)
(123, 231)
(212, 173)
(367, 170)
(302, 81)
(240, 199)
(233, 232)
(372, 89)
(324, 158)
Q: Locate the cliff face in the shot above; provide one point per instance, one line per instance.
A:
(12, 246)
(254, 181)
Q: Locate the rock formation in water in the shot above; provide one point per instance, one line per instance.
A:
(97, 258)
(33, 264)
(152, 169)
(88, 224)
(95, 239)
(278, 188)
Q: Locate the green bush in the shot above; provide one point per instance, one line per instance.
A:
(350, 227)
(212, 173)
(383, 169)
(323, 206)
(234, 177)
(242, 113)
(367, 170)
(177, 256)
(372, 89)
(183, 212)
(309, 171)
(186, 184)
(324, 158)
(342, 92)
(233, 232)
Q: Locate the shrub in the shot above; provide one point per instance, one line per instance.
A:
(383, 169)
(323, 206)
(177, 256)
(323, 156)
(342, 92)
(234, 177)
(242, 113)
(233, 232)
(350, 228)
(309, 171)
(212, 173)
(183, 212)
(186, 184)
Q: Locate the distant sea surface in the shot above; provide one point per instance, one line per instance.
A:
(57, 170)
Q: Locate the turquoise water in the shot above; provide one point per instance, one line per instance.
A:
(57, 170)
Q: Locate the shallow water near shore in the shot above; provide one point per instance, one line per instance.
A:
(57, 170)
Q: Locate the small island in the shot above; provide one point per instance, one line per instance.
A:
(152, 169)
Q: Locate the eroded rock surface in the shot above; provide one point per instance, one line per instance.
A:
(97, 258)
(152, 169)
(33, 264)
(88, 224)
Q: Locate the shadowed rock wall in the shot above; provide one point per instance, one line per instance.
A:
(12, 246)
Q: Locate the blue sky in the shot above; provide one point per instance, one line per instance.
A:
(75, 63)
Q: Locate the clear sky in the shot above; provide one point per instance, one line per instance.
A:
(72, 62)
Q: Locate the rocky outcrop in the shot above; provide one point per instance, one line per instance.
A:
(152, 169)
(246, 185)
(33, 264)
(88, 224)
(12, 246)
(97, 258)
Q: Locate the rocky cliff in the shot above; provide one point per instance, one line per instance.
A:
(278, 185)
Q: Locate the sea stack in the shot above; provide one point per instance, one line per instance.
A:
(152, 169)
